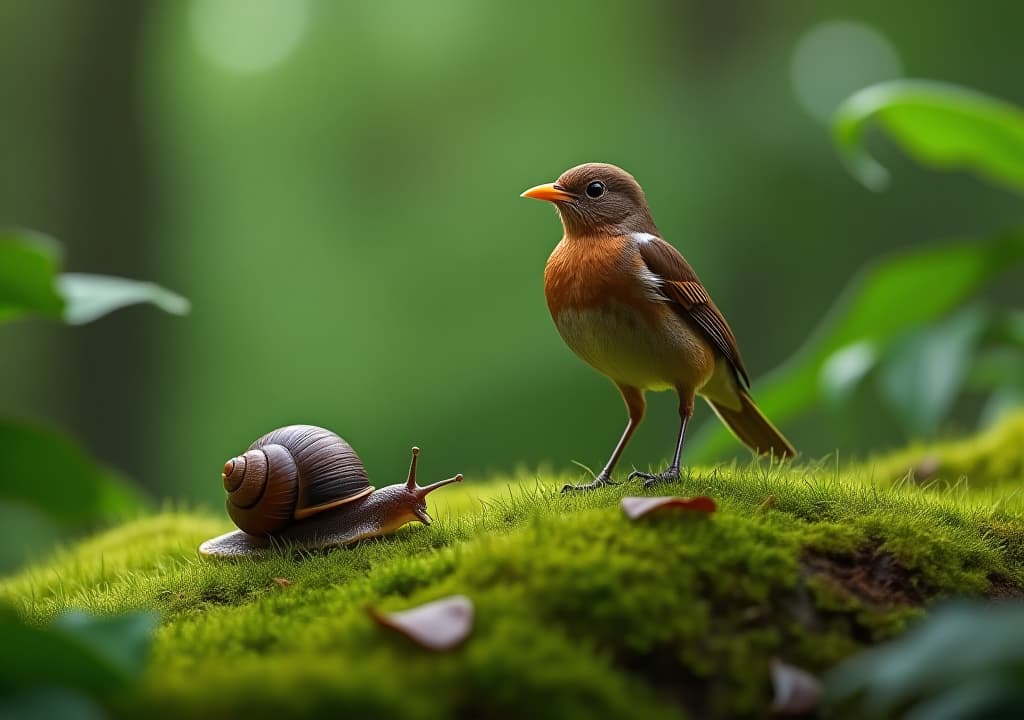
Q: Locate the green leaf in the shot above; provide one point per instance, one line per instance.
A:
(88, 653)
(30, 283)
(997, 367)
(881, 303)
(939, 125)
(50, 703)
(926, 369)
(119, 641)
(987, 697)
(50, 472)
(843, 370)
(28, 262)
(973, 653)
(89, 297)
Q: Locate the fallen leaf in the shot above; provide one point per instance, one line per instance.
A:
(767, 504)
(637, 507)
(795, 691)
(282, 582)
(439, 625)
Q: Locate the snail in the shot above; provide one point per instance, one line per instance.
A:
(305, 486)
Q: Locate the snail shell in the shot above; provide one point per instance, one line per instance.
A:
(290, 474)
(304, 486)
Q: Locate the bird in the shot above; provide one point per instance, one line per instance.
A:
(630, 305)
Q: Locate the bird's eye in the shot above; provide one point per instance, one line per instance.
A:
(595, 189)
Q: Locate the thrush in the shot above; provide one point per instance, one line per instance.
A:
(629, 305)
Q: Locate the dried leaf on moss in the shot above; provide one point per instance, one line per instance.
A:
(440, 625)
(637, 507)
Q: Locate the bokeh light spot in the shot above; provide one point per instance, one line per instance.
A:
(836, 58)
(248, 36)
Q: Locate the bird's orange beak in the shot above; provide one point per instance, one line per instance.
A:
(548, 191)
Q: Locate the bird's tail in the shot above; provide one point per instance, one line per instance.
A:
(752, 428)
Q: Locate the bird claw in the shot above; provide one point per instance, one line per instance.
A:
(670, 475)
(600, 481)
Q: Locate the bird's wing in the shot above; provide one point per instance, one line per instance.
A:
(683, 290)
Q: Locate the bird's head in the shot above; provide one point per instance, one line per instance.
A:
(597, 198)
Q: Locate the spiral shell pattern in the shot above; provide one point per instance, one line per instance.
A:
(289, 474)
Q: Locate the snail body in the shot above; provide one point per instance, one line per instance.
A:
(304, 486)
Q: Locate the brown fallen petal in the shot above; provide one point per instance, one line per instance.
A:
(438, 625)
(795, 691)
(282, 582)
(637, 507)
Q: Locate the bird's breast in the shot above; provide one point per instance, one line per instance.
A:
(587, 273)
(632, 350)
(606, 307)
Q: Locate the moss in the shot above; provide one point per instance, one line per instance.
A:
(580, 612)
(992, 459)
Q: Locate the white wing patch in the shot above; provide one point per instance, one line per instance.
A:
(651, 280)
(642, 238)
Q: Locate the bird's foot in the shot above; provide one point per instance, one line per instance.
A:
(600, 481)
(670, 475)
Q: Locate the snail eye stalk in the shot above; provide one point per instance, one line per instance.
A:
(411, 482)
(424, 491)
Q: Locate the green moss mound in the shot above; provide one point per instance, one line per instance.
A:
(580, 612)
(992, 460)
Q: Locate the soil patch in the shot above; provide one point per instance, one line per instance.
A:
(874, 576)
(1003, 588)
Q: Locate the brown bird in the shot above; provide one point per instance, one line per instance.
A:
(631, 306)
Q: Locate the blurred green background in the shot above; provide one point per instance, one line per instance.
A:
(335, 187)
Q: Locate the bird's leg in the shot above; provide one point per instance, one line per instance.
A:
(605, 476)
(671, 474)
(636, 406)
